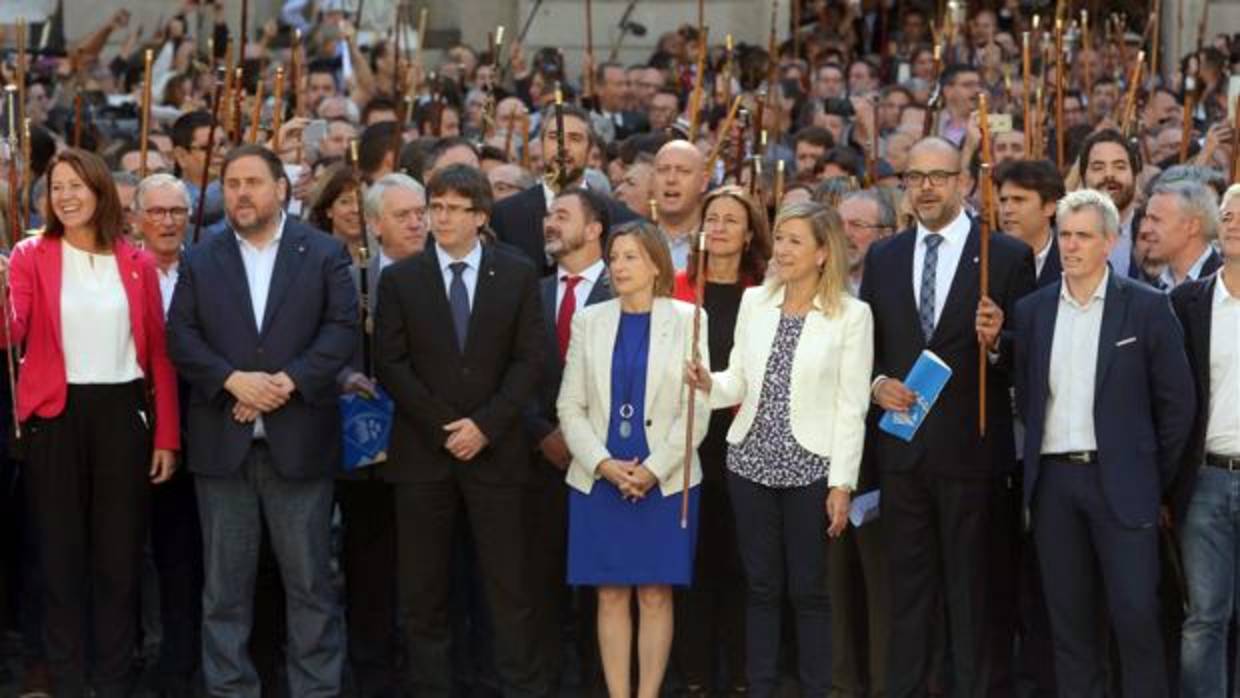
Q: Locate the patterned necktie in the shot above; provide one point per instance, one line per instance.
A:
(564, 319)
(925, 299)
(458, 299)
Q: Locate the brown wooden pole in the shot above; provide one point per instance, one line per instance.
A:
(722, 135)
(695, 100)
(277, 109)
(1027, 90)
(699, 291)
(1060, 126)
(144, 135)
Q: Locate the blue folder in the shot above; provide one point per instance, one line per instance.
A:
(366, 426)
(927, 378)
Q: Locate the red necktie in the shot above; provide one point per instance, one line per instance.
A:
(564, 319)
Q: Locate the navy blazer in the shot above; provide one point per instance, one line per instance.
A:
(541, 418)
(1193, 303)
(518, 221)
(1143, 397)
(432, 382)
(309, 331)
(1052, 268)
(947, 443)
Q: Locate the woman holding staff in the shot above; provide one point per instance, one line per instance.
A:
(800, 372)
(622, 409)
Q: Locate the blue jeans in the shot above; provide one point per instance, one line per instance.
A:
(1210, 538)
(298, 516)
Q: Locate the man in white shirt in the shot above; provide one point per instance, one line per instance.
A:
(162, 206)
(1100, 374)
(1028, 191)
(1209, 310)
(1183, 218)
(263, 319)
(1110, 164)
(680, 183)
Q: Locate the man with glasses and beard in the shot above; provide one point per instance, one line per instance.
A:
(1110, 164)
(263, 319)
(923, 288)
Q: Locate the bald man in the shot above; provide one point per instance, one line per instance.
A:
(922, 286)
(680, 182)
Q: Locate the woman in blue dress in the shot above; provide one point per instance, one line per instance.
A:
(623, 408)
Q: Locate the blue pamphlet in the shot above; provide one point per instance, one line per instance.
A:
(366, 427)
(926, 379)
(864, 508)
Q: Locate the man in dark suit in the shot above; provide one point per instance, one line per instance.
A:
(460, 349)
(1102, 384)
(1180, 216)
(574, 231)
(923, 288)
(518, 220)
(1209, 311)
(262, 361)
(1028, 190)
(611, 86)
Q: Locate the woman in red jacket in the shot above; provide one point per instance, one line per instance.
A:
(96, 395)
(711, 613)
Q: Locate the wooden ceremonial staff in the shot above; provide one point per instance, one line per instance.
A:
(772, 72)
(778, 194)
(295, 73)
(561, 150)
(1186, 124)
(27, 174)
(695, 100)
(729, 54)
(1130, 101)
(277, 109)
(14, 234)
(588, 92)
(1026, 60)
(927, 126)
(363, 261)
(1060, 126)
(256, 112)
(238, 106)
(144, 136)
(699, 291)
(216, 98)
(525, 141)
(1153, 30)
(22, 36)
(984, 224)
(722, 136)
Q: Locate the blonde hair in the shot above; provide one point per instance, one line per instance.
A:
(828, 231)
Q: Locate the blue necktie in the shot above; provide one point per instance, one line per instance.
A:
(925, 299)
(458, 298)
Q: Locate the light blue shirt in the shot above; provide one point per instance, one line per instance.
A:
(472, 261)
(260, 266)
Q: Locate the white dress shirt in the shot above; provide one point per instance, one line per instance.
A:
(1223, 422)
(1069, 423)
(680, 246)
(589, 277)
(1121, 255)
(385, 261)
(1194, 272)
(94, 320)
(168, 284)
(954, 237)
(1039, 260)
(260, 266)
(469, 276)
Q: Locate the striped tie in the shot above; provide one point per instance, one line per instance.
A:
(929, 269)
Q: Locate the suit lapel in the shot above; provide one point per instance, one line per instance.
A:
(662, 326)
(1200, 318)
(902, 250)
(604, 347)
(1114, 308)
(433, 299)
(484, 288)
(228, 256)
(964, 286)
(601, 290)
(1051, 268)
(289, 258)
(1046, 317)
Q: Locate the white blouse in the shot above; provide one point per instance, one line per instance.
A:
(94, 320)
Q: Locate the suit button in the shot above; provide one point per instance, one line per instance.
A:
(465, 371)
(260, 350)
(649, 422)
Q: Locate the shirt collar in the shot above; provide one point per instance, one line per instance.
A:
(1222, 294)
(954, 234)
(590, 273)
(472, 260)
(275, 241)
(1194, 272)
(384, 260)
(1099, 294)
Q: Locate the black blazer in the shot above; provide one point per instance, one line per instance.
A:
(433, 383)
(1143, 401)
(309, 331)
(947, 442)
(634, 122)
(1052, 268)
(541, 418)
(518, 221)
(1193, 303)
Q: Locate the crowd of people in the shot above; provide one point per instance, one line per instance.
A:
(656, 345)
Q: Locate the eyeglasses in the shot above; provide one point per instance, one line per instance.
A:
(938, 178)
(175, 212)
(866, 226)
(438, 209)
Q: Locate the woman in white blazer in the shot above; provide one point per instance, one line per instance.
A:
(800, 371)
(623, 407)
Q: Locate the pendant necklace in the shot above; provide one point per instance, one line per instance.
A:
(626, 408)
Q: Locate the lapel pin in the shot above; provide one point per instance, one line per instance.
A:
(301, 248)
(975, 260)
(134, 274)
(490, 272)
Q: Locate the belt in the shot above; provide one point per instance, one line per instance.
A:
(1078, 457)
(1217, 460)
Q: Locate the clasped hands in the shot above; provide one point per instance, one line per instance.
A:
(632, 478)
(258, 393)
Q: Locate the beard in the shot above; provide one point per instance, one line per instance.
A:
(260, 222)
(562, 245)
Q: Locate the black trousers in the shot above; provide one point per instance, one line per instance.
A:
(89, 489)
(176, 545)
(369, 556)
(860, 622)
(937, 538)
(426, 519)
(710, 615)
